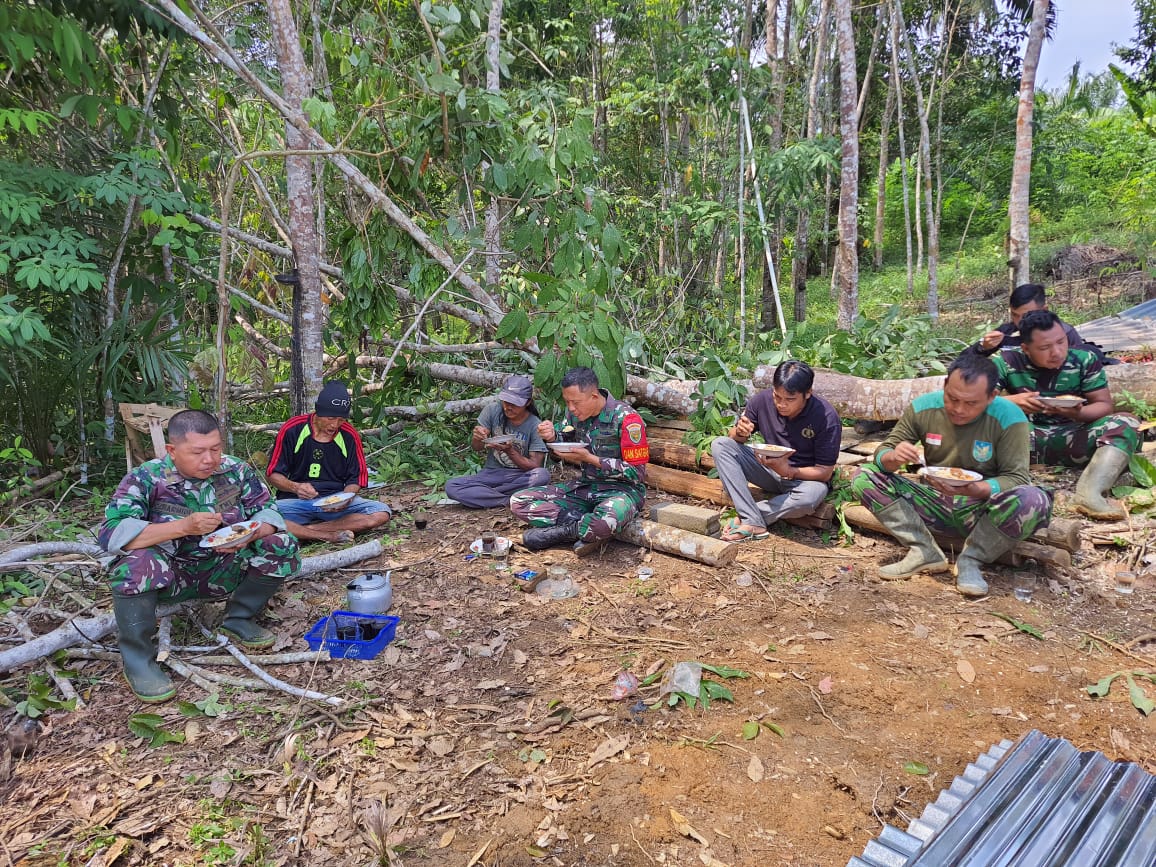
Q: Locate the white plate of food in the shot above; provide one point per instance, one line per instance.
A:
(953, 476)
(565, 447)
(334, 502)
(501, 546)
(230, 535)
(499, 440)
(1063, 401)
(771, 450)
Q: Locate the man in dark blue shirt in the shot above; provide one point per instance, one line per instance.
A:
(787, 414)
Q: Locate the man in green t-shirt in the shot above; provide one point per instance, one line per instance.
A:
(1045, 368)
(965, 426)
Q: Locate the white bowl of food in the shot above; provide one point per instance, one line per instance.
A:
(955, 477)
(334, 502)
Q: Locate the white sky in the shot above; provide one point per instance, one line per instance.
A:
(1085, 31)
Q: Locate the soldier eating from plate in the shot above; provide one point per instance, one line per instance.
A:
(1073, 416)
(786, 414)
(610, 448)
(964, 426)
(319, 455)
(155, 526)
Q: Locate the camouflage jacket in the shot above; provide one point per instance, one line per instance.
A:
(1080, 373)
(617, 436)
(155, 493)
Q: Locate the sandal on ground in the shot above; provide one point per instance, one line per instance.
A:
(738, 534)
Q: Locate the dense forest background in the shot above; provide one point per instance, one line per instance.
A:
(221, 205)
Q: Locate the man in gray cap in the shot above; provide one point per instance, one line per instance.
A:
(317, 456)
(508, 430)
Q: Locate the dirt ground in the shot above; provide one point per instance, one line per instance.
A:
(486, 735)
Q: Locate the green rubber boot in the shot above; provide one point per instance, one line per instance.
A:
(1098, 476)
(136, 626)
(985, 544)
(923, 554)
(247, 601)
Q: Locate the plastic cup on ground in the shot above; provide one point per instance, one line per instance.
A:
(645, 573)
(1125, 581)
(1024, 585)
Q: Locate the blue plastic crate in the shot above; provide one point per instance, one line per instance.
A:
(326, 633)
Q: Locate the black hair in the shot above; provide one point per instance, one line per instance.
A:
(1037, 320)
(583, 377)
(795, 377)
(188, 421)
(1026, 293)
(972, 367)
(530, 408)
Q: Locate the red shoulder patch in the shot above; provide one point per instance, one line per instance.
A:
(635, 449)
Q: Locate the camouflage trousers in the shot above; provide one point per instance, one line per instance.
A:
(1017, 513)
(203, 574)
(1072, 444)
(599, 509)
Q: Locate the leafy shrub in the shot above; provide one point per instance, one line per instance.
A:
(897, 346)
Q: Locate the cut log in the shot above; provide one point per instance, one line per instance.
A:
(883, 399)
(681, 543)
(693, 518)
(864, 518)
(692, 485)
(700, 487)
(675, 454)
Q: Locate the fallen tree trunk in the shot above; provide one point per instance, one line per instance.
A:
(92, 629)
(681, 543)
(885, 399)
(864, 518)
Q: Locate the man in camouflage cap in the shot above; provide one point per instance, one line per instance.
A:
(1045, 367)
(613, 454)
(155, 524)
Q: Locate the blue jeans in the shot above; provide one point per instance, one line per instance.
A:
(304, 512)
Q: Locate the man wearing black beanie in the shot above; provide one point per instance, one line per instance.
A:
(317, 458)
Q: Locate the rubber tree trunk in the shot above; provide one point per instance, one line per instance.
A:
(902, 136)
(801, 253)
(881, 178)
(848, 252)
(493, 230)
(923, 109)
(308, 310)
(1018, 260)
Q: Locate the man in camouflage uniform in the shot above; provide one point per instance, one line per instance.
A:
(154, 525)
(965, 426)
(1045, 366)
(610, 490)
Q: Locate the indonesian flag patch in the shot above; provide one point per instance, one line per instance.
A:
(934, 439)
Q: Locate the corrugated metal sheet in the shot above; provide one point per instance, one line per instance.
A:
(1037, 803)
(1134, 328)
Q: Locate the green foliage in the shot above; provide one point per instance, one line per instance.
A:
(39, 698)
(1136, 693)
(151, 727)
(895, 346)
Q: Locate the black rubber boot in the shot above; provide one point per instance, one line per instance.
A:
(247, 601)
(537, 538)
(136, 626)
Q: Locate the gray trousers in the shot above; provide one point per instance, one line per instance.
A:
(492, 487)
(737, 465)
